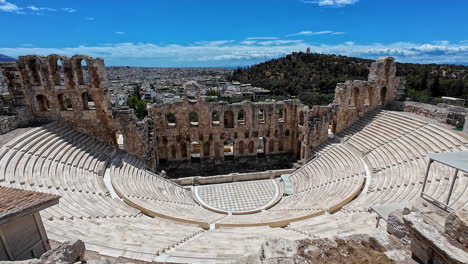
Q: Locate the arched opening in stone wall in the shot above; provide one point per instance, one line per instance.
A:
(193, 119)
(119, 139)
(162, 154)
(183, 150)
(280, 146)
(241, 147)
(299, 149)
(332, 129)
(42, 102)
(216, 149)
(173, 152)
(68, 102)
(170, 120)
(228, 119)
(370, 95)
(280, 114)
(383, 95)
(206, 149)
(261, 116)
(34, 67)
(271, 146)
(88, 102)
(195, 151)
(85, 71)
(354, 97)
(57, 73)
(215, 118)
(61, 102)
(228, 149)
(286, 133)
(241, 117)
(261, 146)
(251, 147)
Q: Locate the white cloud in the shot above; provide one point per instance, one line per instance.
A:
(262, 38)
(332, 3)
(90, 18)
(311, 33)
(6, 6)
(240, 53)
(119, 32)
(35, 8)
(9, 7)
(69, 10)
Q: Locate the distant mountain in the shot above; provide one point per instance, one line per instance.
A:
(5, 58)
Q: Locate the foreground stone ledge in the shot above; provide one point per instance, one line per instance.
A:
(429, 244)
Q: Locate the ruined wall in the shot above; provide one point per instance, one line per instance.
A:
(253, 130)
(444, 113)
(57, 88)
(193, 134)
(353, 99)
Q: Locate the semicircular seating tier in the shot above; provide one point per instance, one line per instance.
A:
(380, 162)
(393, 145)
(322, 185)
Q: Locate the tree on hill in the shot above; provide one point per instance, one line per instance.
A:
(313, 77)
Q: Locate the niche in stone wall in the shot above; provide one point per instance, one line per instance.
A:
(65, 103)
(34, 68)
(228, 119)
(215, 118)
(42, 102)
(119, 139)
(170, 120)
(193, 119)
(281, 115)
(241, 117)
(383, 95)
(261, 116)
(251, 147)
(261, 147)
(241, 147)
(57, 72)
(206, 149)
(88, 102)
(301, 118)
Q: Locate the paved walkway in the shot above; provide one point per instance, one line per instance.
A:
(238, 197)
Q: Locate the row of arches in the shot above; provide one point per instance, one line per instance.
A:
(56, 69)
(65, 102)
(228, 118)
(228, 149)
(354, 98)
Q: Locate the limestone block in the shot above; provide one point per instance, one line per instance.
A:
(429, 245)
(396, 227)
(456, 226)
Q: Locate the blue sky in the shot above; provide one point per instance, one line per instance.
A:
(176, 33)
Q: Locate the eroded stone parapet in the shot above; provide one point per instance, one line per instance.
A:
(429, 244)
(456, 226)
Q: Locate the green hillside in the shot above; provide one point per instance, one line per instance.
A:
(313, 77)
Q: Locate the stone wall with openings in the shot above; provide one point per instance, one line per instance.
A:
(70, 90)
(208, 131)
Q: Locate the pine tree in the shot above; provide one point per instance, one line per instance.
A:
(435, 87)
(423, 85)
(460, 87)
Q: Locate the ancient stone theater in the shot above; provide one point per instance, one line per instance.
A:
(209, 182)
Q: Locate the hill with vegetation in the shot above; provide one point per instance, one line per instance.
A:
(313, 77)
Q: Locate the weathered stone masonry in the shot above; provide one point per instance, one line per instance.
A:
(193, 133)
